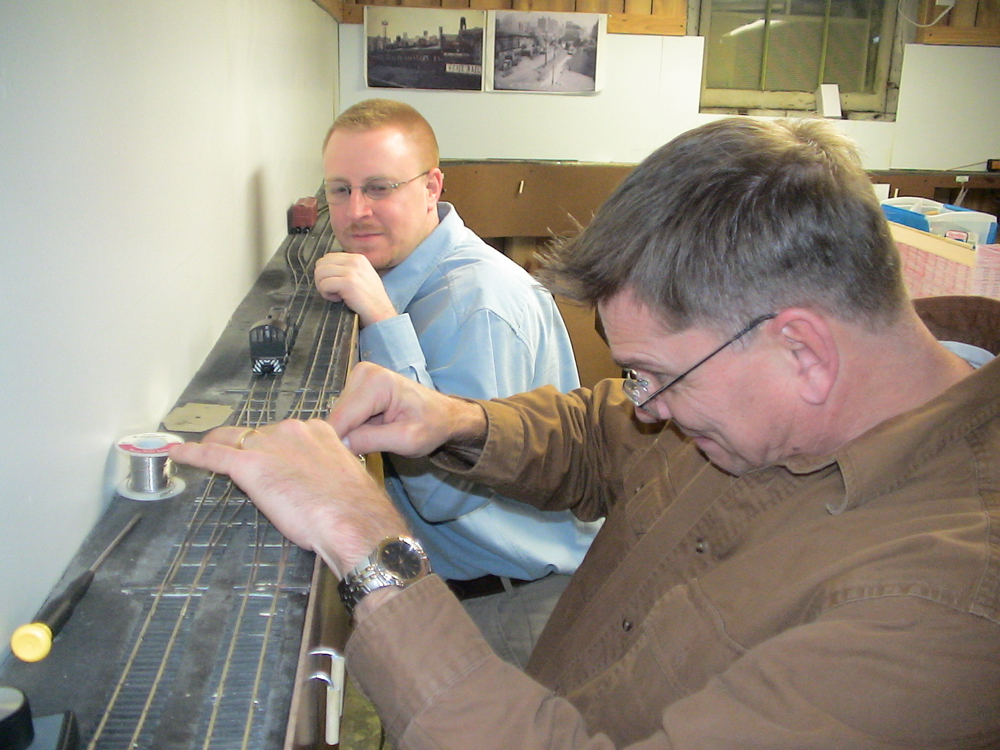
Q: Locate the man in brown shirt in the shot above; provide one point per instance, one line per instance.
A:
(801, 484)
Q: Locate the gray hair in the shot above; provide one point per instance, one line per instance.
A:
(736, 219)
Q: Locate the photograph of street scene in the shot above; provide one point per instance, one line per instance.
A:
(422, 48)
(542, 51)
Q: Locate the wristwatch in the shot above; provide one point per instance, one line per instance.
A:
(397, 561)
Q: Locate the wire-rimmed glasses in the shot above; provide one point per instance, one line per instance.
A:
(379, 188)
(637, 388)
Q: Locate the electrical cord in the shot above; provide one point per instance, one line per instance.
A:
(899, 9)
(966, 166)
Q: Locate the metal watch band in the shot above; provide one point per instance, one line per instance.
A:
(359, 583)
(371, 575)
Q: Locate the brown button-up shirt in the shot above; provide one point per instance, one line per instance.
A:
(850, 600)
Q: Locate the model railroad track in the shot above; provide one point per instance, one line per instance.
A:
(209, 660)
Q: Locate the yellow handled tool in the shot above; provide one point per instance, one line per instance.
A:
(32, 642)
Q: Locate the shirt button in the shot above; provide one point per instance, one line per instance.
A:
(701, 546)
(626, 625)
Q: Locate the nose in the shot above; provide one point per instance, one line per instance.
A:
(655, 411)
(358, 204)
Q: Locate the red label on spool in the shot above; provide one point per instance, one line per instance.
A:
(149, 443)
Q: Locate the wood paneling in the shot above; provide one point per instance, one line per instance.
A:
(658, 17)
(528, 198)
(636, 23)
(551, 198)
(970, 22)
(961, 37)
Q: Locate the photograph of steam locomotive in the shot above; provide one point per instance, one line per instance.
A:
(422, 48)
(542, 51)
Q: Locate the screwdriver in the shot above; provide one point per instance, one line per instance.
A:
(32, 642)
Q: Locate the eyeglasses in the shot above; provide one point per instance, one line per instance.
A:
(637, 389)
(378, 189)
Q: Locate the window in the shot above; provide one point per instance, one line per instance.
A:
(774, 54)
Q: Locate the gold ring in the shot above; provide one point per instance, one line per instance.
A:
(243, 436)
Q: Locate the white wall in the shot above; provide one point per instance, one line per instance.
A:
(148, 151)
(651, 94)
(949, 108)
(650, 88)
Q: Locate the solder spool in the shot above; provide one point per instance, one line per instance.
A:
(150, 469)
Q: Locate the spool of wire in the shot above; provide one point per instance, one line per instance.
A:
(150, 474)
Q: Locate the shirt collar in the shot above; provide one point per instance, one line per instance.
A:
(888, 454)
(974, 355)
(404, 281)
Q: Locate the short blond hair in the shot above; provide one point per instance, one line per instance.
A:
(372, 114)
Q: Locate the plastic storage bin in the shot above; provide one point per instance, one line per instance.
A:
(943, 219)
(975, 227)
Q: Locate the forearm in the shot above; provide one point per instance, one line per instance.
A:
(550, 450)
(448, 689)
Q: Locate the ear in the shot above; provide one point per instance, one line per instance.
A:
(435, 186)
(812, 353)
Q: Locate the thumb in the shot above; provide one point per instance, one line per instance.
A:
(366, 438)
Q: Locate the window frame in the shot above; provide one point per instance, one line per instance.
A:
(880, 104)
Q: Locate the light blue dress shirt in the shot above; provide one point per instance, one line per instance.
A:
(473, 323)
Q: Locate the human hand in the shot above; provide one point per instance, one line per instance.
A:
(300, 475)
(380, 410)
(350, 278)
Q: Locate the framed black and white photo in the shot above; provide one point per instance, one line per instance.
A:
(546, 52)
(424, 48)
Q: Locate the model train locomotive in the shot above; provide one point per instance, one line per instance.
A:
(271, 342)
(302, 215)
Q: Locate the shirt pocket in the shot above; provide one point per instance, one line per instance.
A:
(649, 497)
(688, 640)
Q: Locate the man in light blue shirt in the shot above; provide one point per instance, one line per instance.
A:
(438, 305)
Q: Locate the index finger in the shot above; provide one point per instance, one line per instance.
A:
(216, 450)
(330, 257)
(210, 456)
(359, 402)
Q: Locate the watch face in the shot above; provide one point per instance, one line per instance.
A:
(400, 558)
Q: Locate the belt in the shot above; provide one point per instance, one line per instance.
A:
(482, 586)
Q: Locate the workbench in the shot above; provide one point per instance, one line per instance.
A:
(192, 631)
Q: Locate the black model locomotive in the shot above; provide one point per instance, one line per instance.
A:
(271, 342)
